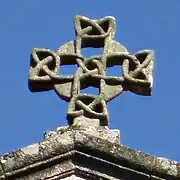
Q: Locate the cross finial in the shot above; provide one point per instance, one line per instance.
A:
(45, 71)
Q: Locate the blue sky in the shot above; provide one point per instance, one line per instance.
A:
(150, 124)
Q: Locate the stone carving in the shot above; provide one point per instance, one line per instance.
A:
(45, 70)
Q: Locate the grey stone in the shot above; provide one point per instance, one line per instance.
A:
(88, 149)
(34, 153)
(107, 134)
(52, 172)
(86, 109)
(73, 177)
(2, 176)
(86, 153)
(164, 165)
(156, 178)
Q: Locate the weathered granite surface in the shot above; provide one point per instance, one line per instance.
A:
(84, 153)
(87, 149)
(137, 71)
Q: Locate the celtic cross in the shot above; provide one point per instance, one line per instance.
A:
(45, 71)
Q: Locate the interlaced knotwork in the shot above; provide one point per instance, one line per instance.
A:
(45, 72)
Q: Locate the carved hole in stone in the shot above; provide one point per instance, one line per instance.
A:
(51, 64)
(99, 108)
(114, 71)
(87, 100)
(88, 52)
(141, 57)
(89, 82)
(68, 59)
(85, 24)
(41, 56)
(68, 69)
(105, 25)
(42, 73)
(90, 90)
(141, 76)
(68, 65)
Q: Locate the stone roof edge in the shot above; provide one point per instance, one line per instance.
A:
(128, 157)
(61, 143)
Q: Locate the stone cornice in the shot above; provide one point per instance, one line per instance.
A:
(81, 150)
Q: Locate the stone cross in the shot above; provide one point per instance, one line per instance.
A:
(89, 109)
